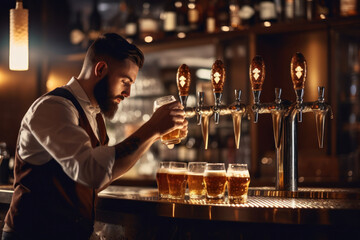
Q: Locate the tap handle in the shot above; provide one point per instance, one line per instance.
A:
(278, 95)
(217, 79)
(183, 79)
(218, 75)
(298, 71)
(200, 104)
(237, 96)
(257, 73)
(321, 92)
(257, 76)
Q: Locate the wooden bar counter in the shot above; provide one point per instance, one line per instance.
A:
(310, 213)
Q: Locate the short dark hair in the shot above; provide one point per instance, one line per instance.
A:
(114, 46)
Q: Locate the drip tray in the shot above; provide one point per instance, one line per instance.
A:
(315, 193)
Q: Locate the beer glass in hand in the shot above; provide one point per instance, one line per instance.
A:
(238, 180)
(177, 176)
(175, 136)
(161, 179)
(215, 180)
(195, 179)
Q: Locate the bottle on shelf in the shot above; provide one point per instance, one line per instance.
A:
(117, 22)
(77, 34)
(321, 9)
(148, 24)
(300, 10)
(131, 25)
(223, 15)
(310, 10)
(235, 20)
(211, 17)
(267, 12)
(349, 8)
(94, 21)
(169, 18)
(195, 16)
(182, 23)
(247, 13)
(288, 13)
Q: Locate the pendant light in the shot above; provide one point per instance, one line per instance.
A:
(19, 38)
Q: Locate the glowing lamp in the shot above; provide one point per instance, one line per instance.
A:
(19, 38)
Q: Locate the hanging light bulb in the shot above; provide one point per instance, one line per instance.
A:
(19, 38)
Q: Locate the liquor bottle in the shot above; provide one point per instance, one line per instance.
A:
(94, 21)
(169, 18)
(235, 20)
(321, 9)
(118, 21)
(300, 9)
(182, 23)
(247, 13)
(131, 25)
(77, 34)
(348, 8)
(310, 10)
(288, 10)
(210, 17)
(223, 15)
(148, 25)
(195, 16)
(267, 11)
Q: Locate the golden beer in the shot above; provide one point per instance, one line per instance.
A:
(238, 179)
(238, 186)
(215, 183)
(177, 183)
(196, 185)
(171, 137)
(162, 182)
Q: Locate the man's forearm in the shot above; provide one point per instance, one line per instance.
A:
(131, 149)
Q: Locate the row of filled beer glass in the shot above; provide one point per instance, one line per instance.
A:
(203, 180)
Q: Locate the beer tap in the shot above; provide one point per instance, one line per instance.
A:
(320, 109)
(203, 115)
(237, 112)
(257, 76)
(298, 72)
(217, 80)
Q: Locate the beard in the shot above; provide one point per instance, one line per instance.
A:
(102, 95)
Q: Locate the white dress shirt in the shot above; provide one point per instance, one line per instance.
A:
(50, 129)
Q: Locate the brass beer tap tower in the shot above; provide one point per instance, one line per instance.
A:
(285, 114)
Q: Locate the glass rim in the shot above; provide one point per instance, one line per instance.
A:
(215, 164)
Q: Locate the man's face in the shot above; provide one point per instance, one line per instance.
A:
(115, 86)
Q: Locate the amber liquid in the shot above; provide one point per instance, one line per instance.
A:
(173, 137)
(215, 183)
(196, 185)
(162, 183)
(177, 184)
(238, 188)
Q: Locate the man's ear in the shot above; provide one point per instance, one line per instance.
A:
(101, 69)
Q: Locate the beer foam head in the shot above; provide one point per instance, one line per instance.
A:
(177, 171)
(163, 170)
(243, 173)
(215, 173)
(195, 173)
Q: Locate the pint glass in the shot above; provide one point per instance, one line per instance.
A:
(175, 136)
(195, 179)
(215, 180)
(161, 179)
(238, 179)
(177, 176)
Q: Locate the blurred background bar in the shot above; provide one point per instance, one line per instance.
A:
(196, 33)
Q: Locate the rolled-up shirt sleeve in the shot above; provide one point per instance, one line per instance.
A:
(55, 126)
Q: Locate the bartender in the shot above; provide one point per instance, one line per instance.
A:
(62, 159)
